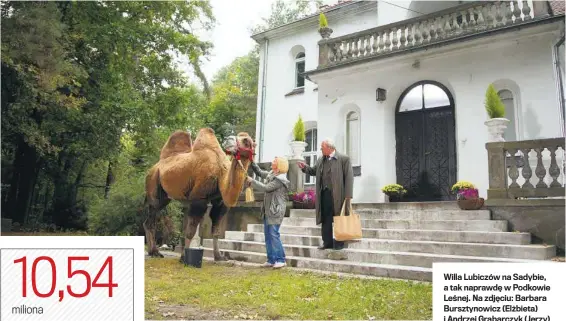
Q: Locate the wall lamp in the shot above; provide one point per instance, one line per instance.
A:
(380, 94)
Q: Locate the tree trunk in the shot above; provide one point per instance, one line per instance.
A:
(109, 180)
(26, 184)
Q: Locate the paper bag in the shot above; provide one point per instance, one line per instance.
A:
(249, 195)
(347, 228)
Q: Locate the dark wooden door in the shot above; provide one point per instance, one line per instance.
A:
(426, 153)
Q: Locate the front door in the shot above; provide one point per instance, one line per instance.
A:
(425, 142)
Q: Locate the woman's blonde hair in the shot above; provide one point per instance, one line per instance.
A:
(282, 165)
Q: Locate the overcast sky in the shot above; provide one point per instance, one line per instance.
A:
(231, 36)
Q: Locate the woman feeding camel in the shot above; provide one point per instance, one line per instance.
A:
(274, 206)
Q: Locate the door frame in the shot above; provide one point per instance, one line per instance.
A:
(423, 111)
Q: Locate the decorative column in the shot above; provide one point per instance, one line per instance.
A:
(296, 176)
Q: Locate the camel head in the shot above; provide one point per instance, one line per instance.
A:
(241, 147)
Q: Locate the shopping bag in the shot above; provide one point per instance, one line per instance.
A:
(249, 195)
(347, 228)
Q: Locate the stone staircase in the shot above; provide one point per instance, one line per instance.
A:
(400, 240)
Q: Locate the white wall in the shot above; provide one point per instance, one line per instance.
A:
(467, 73)
(282, 112)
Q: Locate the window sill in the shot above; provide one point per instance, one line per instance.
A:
(296, 91)
(357, 170)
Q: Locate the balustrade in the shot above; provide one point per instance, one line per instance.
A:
(523, 169)
(436, 27)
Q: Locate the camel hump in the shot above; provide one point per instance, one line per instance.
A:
(179, 142)
(206, 140)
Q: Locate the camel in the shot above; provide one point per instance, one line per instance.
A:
(196, 173)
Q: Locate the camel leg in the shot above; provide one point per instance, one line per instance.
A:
(150, 226)
(192, 217)
(217, 214)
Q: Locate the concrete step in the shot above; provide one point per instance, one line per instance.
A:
(378, 270)
(415, 206)
(447, 225)
(416, 235)
(355, 255)
(378, 214)
(529, 252)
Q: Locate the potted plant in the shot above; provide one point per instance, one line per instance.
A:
(496, 124)
(394, 192)
(323, 29)
(304, 200)
(298, 144)
(467, 196)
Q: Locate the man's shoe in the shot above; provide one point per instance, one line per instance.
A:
(324, 247)
(279, 265)
(267, 264)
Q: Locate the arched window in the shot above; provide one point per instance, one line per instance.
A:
(299, 70)
(353, 137)
(310, 152)
(424, 96)
(507, 99)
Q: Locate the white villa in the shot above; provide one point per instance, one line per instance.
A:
(400, 87)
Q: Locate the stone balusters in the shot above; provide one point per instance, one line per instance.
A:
(511, 167)
(455, 22)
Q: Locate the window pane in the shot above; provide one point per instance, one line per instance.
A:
(353, 141)
(308, 140)
(300, 77)
(434, 96)
(308, 177)
(300, 55)
(413, 100)
(315, 140)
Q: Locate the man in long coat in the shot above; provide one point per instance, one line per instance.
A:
(334, 186)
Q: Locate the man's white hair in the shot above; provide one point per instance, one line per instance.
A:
(329, 142)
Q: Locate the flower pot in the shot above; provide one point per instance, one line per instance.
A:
(325, 32)
(297, 148)
(471, 204)
(394, 198)
(303, 205)
(193, 257)
(495, 128)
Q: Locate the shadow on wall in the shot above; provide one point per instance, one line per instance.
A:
(532, 125)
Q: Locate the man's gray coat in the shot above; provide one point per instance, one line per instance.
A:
(342, 177)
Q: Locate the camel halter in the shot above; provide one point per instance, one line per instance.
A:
(239, 150)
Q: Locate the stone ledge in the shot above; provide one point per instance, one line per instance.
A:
(296, 91)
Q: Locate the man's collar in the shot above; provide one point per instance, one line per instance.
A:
(332, 155)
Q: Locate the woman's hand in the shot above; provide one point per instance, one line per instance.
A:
(249, 181)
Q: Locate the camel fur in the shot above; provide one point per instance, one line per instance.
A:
(196, 174)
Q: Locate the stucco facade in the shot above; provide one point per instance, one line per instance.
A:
(521, 62)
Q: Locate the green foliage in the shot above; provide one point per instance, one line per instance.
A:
(233, 104)
(322, 22)
(299, 130)
(393, 189)
(493, 104)
(460, 185)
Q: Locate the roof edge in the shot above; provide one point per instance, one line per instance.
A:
(333, 10)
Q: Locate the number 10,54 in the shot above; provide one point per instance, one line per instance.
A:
(71, 273)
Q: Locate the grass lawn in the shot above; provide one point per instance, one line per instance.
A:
(173, 291)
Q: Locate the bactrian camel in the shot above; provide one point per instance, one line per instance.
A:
(196, 174)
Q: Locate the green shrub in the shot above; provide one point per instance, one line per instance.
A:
(322, 22)
(299, 130)
(493, 104)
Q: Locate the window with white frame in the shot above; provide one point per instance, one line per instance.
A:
(506, 96)
(310, 153)
(299, 70)
(353, 137)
